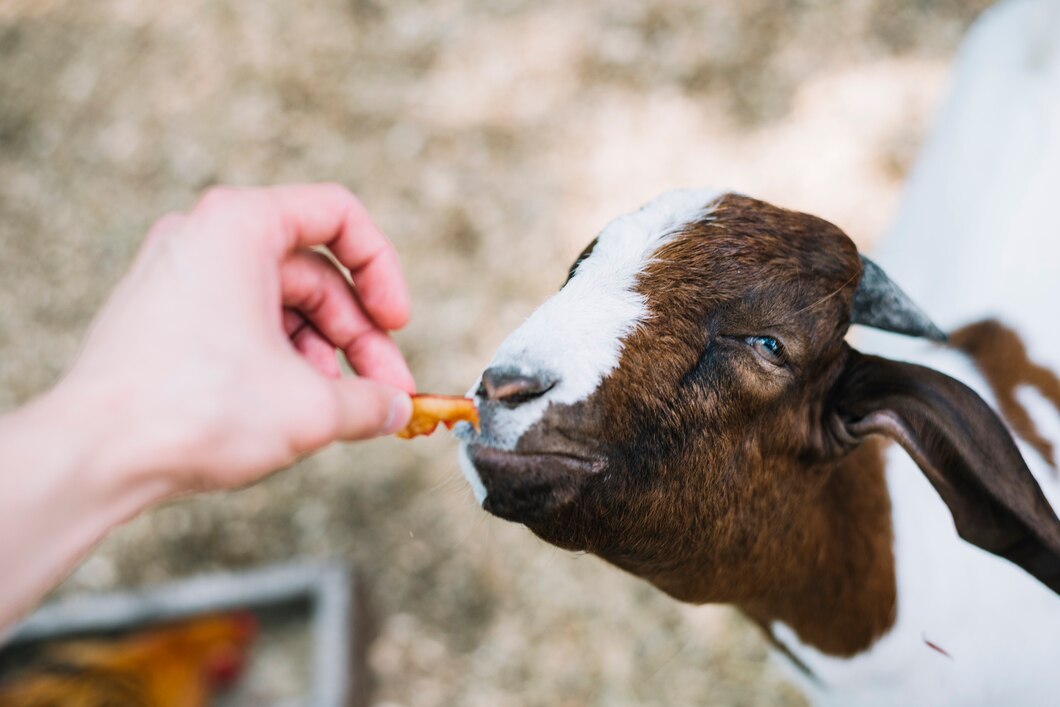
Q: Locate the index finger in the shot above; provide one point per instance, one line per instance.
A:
(330, 215)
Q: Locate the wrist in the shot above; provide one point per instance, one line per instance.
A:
(68, 477)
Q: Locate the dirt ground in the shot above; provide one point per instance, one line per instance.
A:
(491, 140)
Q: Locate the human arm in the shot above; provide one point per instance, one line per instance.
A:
(212, 364)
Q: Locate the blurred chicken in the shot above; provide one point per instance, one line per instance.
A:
(179, 665)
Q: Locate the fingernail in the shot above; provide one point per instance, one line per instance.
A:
(399, 413)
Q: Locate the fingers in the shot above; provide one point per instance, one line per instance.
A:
(378, 354)
(293, 322)
(319, 214)
(311, 344)
(353, 319)
(366, 408)
(313, 286)
(313, 412)
(317, 350)
(329, 214)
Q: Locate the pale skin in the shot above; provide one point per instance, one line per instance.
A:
(213, 364)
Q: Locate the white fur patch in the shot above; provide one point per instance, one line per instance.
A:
(468, 469)
(576, 336)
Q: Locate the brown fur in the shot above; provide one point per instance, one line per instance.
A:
(754, 507)
(720, 474)
(1001, 357)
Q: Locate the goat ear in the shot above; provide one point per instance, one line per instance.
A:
(964, 450)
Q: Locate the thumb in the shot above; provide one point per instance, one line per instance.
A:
(367, 408)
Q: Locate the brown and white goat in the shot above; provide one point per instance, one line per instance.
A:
(687, 408)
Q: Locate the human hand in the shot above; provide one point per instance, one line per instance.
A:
(215, 357)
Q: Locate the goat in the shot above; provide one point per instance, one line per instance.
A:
(687, 408)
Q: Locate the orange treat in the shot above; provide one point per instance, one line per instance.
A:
(429, 410)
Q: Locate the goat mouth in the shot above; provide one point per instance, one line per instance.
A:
(528, 486)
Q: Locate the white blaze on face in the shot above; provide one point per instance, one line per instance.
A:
(575, 338)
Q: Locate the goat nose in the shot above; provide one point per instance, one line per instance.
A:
(505, 385)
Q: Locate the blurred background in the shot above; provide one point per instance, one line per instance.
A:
(491, 140)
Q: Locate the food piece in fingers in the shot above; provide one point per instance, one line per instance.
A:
(429, 410)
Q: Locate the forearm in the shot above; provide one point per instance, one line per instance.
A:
(68, 473)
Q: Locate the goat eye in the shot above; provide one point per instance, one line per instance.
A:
(768, 348)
